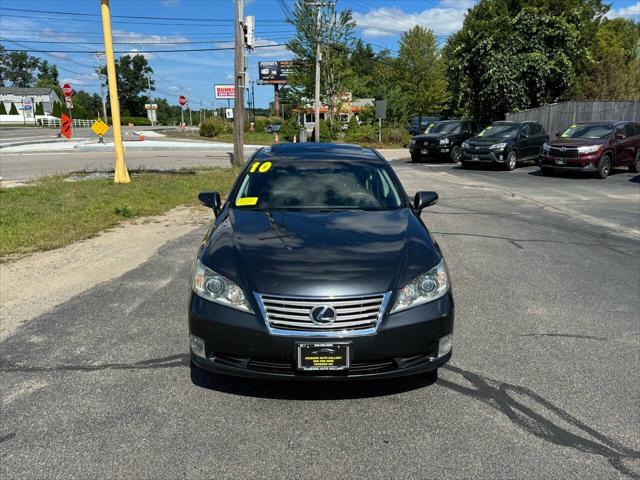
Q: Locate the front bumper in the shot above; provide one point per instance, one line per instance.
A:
(582, 163)
(483, 156)
(239, 344)
(434, 151)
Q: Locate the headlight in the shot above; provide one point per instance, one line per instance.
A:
(216, 288)
(589, 148)
(498, 146)
(426, 288)
(413, 141)
(465, 145)
(546, 147)
(444, 141)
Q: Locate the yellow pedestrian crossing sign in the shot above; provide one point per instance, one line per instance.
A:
(99, 127)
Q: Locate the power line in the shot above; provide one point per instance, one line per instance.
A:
(68, 42)
(120, 52)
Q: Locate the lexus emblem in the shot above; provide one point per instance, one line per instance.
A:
(323, 314)
(563, 149)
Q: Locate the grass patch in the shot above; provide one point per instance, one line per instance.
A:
(54, 212)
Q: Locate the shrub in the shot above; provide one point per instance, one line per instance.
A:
(289, 129)
(396, 135)
(3, 110)
(136, 121)
(264, 122)
(363, 134)
(13, 110)
(215, 126)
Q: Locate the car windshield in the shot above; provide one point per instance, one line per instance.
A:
(588, 130)
(317, 185)
(443, 128)
(503, 130)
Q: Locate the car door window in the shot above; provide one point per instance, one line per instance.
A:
(524, 131)
(619, 131)
(629, 130)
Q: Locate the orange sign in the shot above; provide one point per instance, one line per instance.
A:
(65, 128)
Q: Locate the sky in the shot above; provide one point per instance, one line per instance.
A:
(197, 24)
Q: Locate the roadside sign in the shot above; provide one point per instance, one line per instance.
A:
(225, 92)
(65, 128)
(381, 109)
(69, 102)
(67, 90)
(27, 107)
(99, 127)
(151, 106)
(182, 100)
(228, 112)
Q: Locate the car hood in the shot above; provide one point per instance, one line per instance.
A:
(320, 254)
(432, 136)
(576, 142)
(484, 141)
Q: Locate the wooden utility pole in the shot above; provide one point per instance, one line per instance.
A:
(319, 6)
(121, 174)
(238, 111)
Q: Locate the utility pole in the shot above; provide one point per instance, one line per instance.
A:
(121, 175)
(318, 6)
(238, 113)
(253, 101)
(150, 101)
(102, 85)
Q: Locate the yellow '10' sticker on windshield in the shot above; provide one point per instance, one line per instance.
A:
(261, 168)
(246, 201)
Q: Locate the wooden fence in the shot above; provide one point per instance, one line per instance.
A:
(557, 117)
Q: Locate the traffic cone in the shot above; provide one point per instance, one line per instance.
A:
(141, 137)
(295, 139)
(277, 139)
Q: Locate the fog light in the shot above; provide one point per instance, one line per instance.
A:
(444, 344)
(501, 158)
(197, 346)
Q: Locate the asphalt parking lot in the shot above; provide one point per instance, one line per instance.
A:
(544, 380)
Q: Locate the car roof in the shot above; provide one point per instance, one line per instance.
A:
(505, 122)
(318, 151)
(603, 122)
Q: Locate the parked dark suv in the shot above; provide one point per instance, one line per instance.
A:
(505, 144)
(593, 147)
(318, 267)
(442, 140)
(425, 122)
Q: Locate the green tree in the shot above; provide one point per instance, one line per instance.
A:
(336, 37)
(13, 110)
(421, 72)
(132, 74)
(47, 75)
(3, 110)
(39, 108)
(613, 72)
(517, 54)
(17, 68)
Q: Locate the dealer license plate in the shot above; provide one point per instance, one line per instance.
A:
(475, 158)
(560, 161)
(424, 151)
(323, 356)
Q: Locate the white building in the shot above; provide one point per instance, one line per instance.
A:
(26, 101)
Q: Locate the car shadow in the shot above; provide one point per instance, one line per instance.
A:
(572, 174)
(635, 179)
(307, 390)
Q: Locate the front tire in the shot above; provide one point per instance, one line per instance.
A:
(415, 158)
(455, 154)
(604, 167)
(512, 161)
(635, 166)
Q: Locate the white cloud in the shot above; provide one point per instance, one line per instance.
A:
(631, 11)
(386, 21)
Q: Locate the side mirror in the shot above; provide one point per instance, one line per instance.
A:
(424, 200)
(558, 134)
(619, 136)
(211, 200)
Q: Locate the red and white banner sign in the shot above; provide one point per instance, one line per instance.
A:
(225, 92)
(67, 90)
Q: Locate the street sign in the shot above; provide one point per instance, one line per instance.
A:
(151, 106)
(99, 127)
(65, 128)
(67, 90)
(225, 92)
(69, 102)
(381, 109)
(27, 107)
(228, 112)
(182, 100)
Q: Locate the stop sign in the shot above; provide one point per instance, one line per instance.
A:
(182, 100)
(67, 90)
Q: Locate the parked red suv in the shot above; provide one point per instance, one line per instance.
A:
(593, 147)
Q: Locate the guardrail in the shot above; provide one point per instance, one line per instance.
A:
(55, 122)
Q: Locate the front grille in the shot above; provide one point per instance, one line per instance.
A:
(293, 313)
(569, 152)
